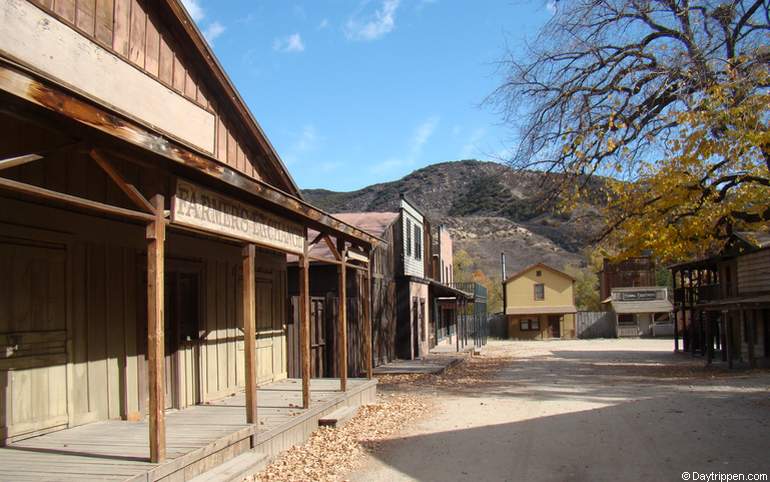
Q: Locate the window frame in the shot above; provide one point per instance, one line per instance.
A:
(535, 289)
(417, 242)
(408, 237)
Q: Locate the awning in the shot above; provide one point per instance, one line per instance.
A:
(651, 306)
(540, 310)
(440, 289)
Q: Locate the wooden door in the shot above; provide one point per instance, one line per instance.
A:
(33, 330)
(317, 337)
(554, 326)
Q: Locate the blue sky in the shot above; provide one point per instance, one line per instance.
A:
(357, 92)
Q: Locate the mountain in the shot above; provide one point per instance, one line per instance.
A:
(488, 208)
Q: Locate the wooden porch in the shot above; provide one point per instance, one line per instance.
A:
(198, 438)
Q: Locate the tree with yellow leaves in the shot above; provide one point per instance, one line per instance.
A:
(667, 100)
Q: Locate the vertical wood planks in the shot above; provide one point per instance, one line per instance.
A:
(104, 19)
(121, 26)
(136, 38)
(249, 332)
(85, 16)
(152, 49)
(156, 234)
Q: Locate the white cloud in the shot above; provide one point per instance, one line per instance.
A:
(307, 140)
(194, 9)
(214, 30)
(291, 43)
(324, 23)
(421, 135)
(373, 25)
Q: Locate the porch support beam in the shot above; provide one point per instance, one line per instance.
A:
(342, 321)
(368, 323)
(304, 325)
(248, 257)
(156, 235)
(18, 161)
(79, 202)
(129, 189)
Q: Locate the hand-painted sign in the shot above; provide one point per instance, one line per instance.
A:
(197, 207)
(638, 295)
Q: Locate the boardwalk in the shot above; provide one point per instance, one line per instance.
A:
(118, 450)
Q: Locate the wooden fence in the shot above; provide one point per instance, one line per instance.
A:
(595, 324)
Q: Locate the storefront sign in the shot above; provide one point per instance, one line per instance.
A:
(638, 295)
(200, 208)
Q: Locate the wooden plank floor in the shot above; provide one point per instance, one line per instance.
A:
(118, 450)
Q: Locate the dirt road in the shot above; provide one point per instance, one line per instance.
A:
(583, 410)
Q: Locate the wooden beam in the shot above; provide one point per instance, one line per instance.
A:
(249, 331)
(368, 324)
(304, 326)
(336, 252)
(129, 189)
(87, 204)
(156, 235)
(342, 325)
(18, 161)
(316, 239)
(20, 82)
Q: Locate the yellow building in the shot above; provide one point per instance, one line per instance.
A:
(540, 304)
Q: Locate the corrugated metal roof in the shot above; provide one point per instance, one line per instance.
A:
(540, 310)
(652, 306)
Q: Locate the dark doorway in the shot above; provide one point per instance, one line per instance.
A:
(554, 326)
(415, 328)
(182, 334)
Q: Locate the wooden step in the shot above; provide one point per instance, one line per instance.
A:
(338, 418)
(235, 469)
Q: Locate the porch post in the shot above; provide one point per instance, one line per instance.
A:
(458, 302)
(709, 338)
(729, 345)
(723, 335)
(676, 312)
(156, 236)
(249, 332)
(304, 325)
(749, 326)
(368, 322)
(342, 319)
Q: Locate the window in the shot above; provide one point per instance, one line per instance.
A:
(408, 237)
(538, 273)
(417, 242)
(539, 291)
(529, 325)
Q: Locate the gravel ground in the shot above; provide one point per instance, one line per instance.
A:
(578, 410)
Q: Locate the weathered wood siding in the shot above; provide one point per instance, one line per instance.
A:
(754, 272)
(140, 34)
(76, 300)
(412, 264)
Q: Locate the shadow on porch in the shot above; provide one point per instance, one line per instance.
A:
(198, 438)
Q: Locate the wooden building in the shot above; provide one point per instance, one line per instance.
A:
(145, 223)
(540, 303)
(723, 302)
(633, 272)
(641, 311)
(325, 300)
(415, 303)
